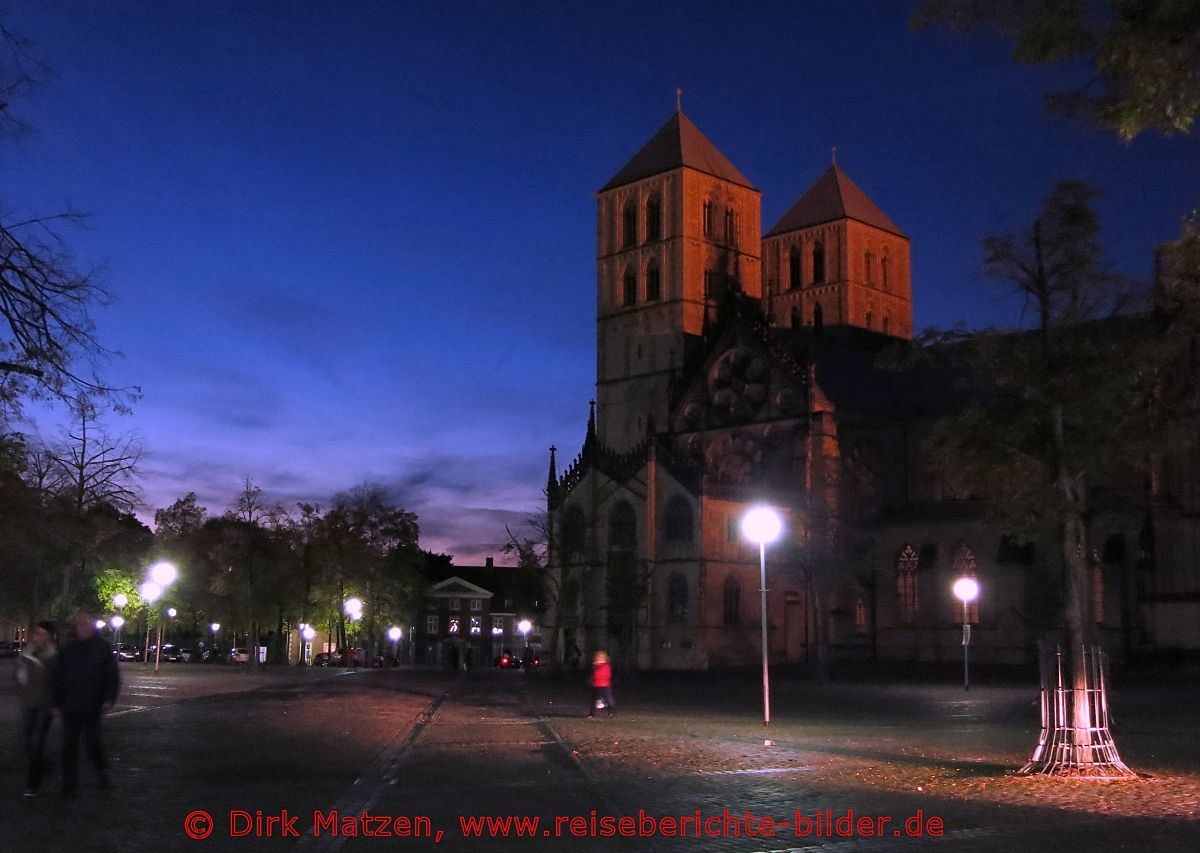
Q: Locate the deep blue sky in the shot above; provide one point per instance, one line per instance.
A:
(356, 241)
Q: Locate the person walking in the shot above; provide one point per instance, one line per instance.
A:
(35, 675)
(87, 685)
(602, 685)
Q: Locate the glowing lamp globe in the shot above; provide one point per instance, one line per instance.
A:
(966, 590)
(163, 573)
(761, 525)
(150, 592)
(394, 634)
(117, 622)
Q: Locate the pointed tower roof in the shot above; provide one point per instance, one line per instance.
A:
(677, 143)
(834, 196)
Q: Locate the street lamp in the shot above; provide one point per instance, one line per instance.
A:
(525, 626)
(762, 525)
(353, 609)
(162, 575)
(394, 634)
(150, 593)
(119, 602)
(966, 590)
(214, 627)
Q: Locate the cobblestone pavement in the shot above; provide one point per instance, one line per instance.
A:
(444, 751)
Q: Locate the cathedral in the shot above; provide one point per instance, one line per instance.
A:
(738, 366)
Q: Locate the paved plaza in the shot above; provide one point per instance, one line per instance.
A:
(292, 760)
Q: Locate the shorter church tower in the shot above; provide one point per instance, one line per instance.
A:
(836, 259)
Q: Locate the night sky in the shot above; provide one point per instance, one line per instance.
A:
(356, 241)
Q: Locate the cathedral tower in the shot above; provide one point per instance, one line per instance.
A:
(836, 259)
(677, 227)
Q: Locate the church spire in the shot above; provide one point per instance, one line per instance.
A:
(552, 477)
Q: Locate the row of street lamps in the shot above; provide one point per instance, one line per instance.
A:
(762, 525)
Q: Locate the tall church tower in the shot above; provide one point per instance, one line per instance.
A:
(836, 259)
(677, 227)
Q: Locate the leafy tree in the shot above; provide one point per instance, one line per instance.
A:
(1061, 415)
(1144, 54)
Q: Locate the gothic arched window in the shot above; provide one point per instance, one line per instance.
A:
(630, 289)
(677, 598)
(731, 227)
(906, 583)
(653, 218)
(885, 269)
(573, 530)
(795, 262)
(818, 317)
(818, 261)
(887, 324)
(653, 287)
(707, 218)
(796, 321)
(622, 528)
(629, 225)
(731, 602)
(677, 526)
(870, 320)
(869, 266)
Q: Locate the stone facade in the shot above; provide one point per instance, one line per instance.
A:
(735, 369)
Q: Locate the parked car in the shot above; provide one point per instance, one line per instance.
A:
(239, 655)
(126, 651)
(9, 650)
(327, 659)
(170, 653)
(508, 661)
(187, 655)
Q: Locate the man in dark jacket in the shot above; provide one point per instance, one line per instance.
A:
(86, 687)
(36, 671)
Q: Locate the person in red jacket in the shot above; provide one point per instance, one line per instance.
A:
(602, 685)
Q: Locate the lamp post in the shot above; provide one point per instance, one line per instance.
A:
(394, 634)
(214, 627)
(116, 622)
(353, 609)
(162, 575)
(525, 626)
(762, 525)
(150, 593)
(966, 590)
(119, 602)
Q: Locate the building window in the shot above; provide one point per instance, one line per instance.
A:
(731, 228)
(796, 321)
(476, 604)
(622, 528)
(731, 602)
(573, 532)
(818, 318)
(678, 522)
(795, 262)
(497, 626)
(731, 529)
(630, 294)
(432, 625)
(677, 598)
(906, 584)
(885, 270)
(709, 284)
(629, 225)
(453, 604)
(652, 282)
(708, 211)
(818, 261)
(453, 625)
(964, 567)
(475, 625)
(653, 219)
(860, 617)
(869, 266)
(887, 324)
(870, 320)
